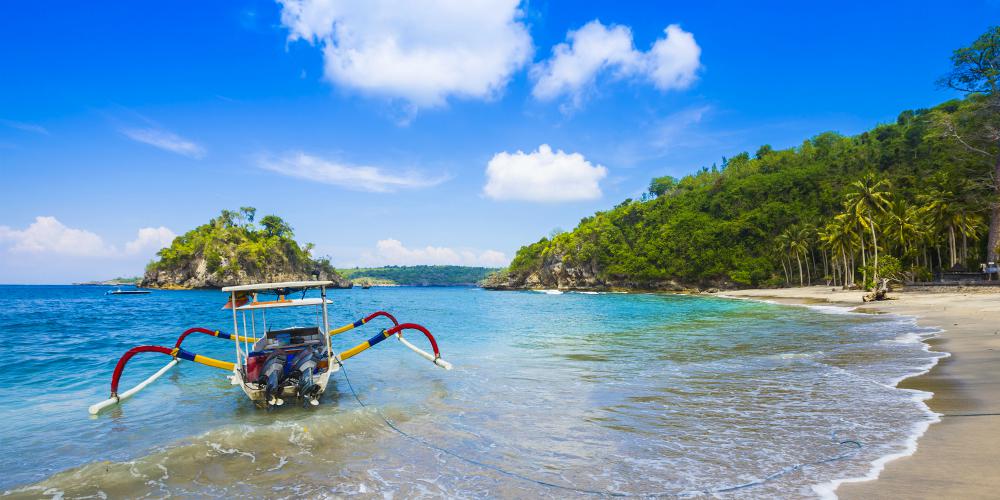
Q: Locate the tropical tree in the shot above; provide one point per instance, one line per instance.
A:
(976, 71)
(902, 225)
(868, 198)
(783, 242)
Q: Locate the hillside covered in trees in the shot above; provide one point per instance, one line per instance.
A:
(915, 196)
(417, 275)
(234, 249)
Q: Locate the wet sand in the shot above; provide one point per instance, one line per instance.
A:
(958, 457)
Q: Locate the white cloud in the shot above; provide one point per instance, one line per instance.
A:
(671, 63)
(165, 140)
(363, 178)
(543, 176)
(26, 127)
(393, 252)
(46, 235)
(420, 51)
(150, 238)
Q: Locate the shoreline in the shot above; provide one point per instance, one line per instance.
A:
(954, 455)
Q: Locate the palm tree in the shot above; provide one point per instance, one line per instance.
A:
(783, 244)
(839, 236)
(869, 197)
(902, 226)
(803, 235)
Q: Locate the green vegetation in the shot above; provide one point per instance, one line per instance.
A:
(901, 200)
(233, 244)
(417, 275)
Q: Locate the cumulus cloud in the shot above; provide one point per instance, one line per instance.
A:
(393, 252)
(420, 51)
(543, 176)
(46, 235)
(165, 140)
(357, 177)
(150, 238)
(671, 63)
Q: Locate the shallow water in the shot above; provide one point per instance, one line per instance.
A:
(640, 394)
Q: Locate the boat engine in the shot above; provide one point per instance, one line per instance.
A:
(302, 368)
(272, 377)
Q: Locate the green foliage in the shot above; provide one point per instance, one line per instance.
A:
(418, 275)
(757, 219)
(231, 243)
(976, 68)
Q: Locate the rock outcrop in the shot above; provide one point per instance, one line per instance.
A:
(555, 273)
(196, 275)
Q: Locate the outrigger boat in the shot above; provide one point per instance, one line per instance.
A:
(286, 363)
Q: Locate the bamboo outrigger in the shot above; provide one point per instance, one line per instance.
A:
(280, 364)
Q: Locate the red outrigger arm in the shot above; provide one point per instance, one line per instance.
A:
(176, 353)
(413, 326)
(397, 331)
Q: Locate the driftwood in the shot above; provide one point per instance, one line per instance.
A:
(879, 293)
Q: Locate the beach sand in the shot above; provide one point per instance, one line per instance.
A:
(958, 457)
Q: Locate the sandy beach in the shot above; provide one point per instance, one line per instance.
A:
(958, 456)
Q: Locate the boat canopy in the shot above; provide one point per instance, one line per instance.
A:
(276, 286)
(312, 301)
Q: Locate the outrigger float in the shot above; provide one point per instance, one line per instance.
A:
(282, 363)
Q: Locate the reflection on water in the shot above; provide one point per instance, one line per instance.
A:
(611, 392)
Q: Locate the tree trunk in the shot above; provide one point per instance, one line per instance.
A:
(843, 255)
(826, 266)
(854, 271)
(994, 236)
(965, 249)
(799, 260)
(809, 274)
(864, 264)
(871, 224)
(784, 268)
(952, 251)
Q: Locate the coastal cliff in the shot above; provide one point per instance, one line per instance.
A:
(557, 272)
(232, 249)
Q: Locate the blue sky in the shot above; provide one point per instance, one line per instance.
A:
(410, 133)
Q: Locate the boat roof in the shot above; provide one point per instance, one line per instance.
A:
(275, 286)
(311, 301)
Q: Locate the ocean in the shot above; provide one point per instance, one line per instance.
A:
(552, 395)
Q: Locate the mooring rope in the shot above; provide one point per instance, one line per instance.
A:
(856, 447)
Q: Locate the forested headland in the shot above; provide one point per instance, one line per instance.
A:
(903, 201)
(416, 275)
(235, 248)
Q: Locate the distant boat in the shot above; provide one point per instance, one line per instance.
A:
(126, 292)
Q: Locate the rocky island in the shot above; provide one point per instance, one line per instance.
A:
(234, 249)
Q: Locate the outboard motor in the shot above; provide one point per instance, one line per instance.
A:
(303, 366)
(272, 375)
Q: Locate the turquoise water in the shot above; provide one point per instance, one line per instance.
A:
(612, 392)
